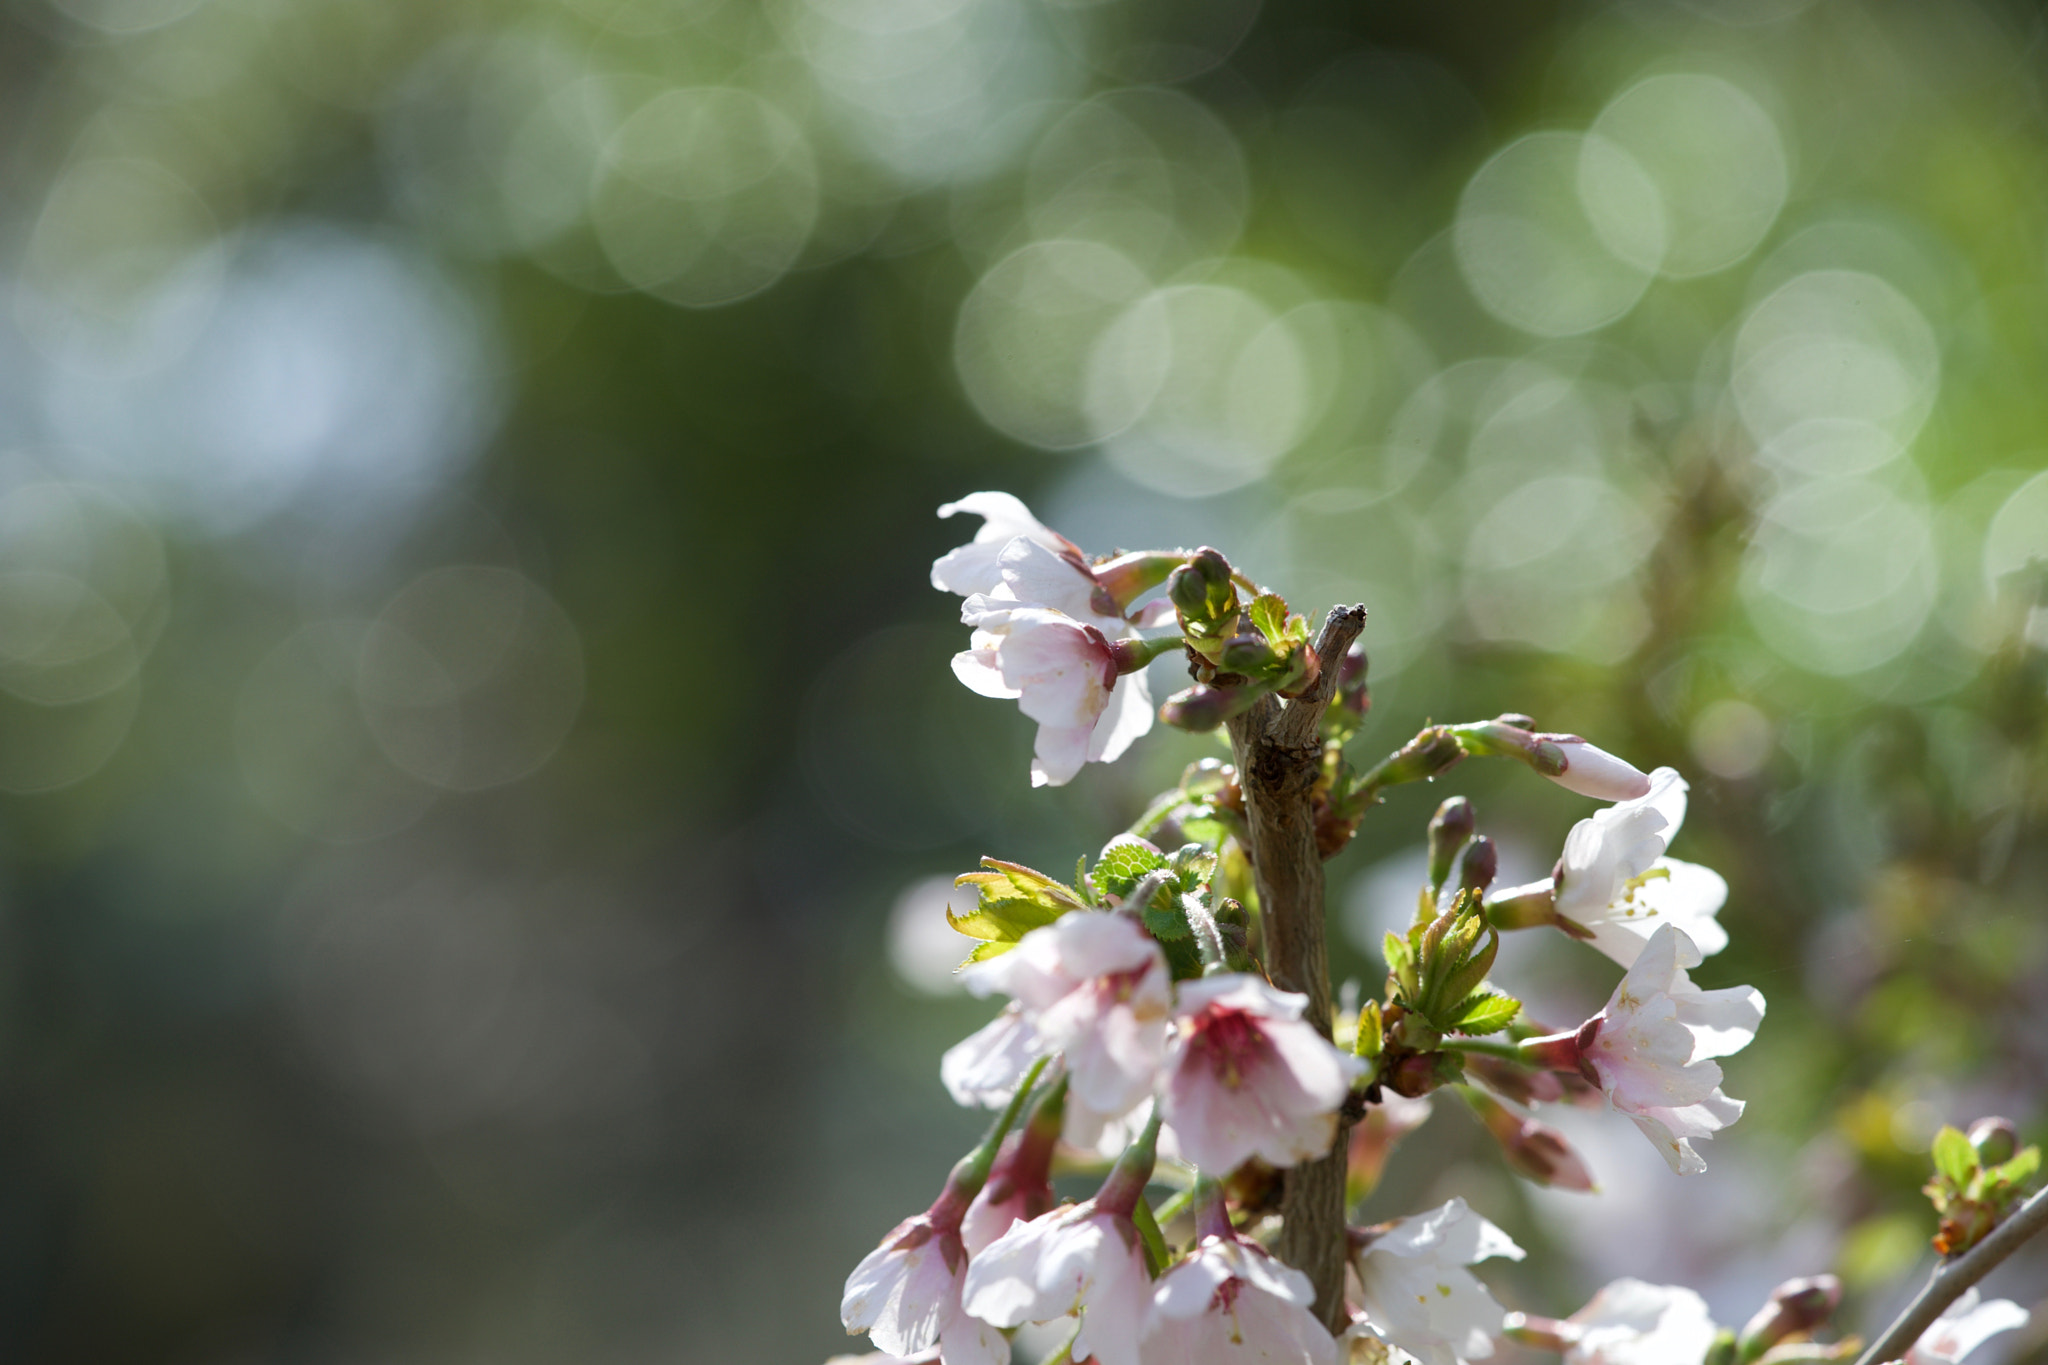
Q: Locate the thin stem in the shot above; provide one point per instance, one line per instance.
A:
(1208, 934)
(1951, 1278)
(1507, 1052)
(972, 1172)
(1156, 1253)
(1174, 1205)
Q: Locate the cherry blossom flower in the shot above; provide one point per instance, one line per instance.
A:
(1232, 1302)
(906, 1292)
(1616, 885)
(1418, 1295)
(1966, 1325)
(1650, 1050)
(1065, 674)
(1247, 1077)
(1086, 1258)
(1591, 771)
(1630, 1322)
(983, 1068)
(974, 567)
(1094, 987)
(1019, 1186)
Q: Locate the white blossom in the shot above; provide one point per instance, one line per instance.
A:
(1247, 1077)
(1615, 881)
(1231, 1303)
(1650, 1050)
(906, 1294)
(974, 567)
(1094, 987)
(1040, 641)
(1966, 1325)
(1076, 1259)
(1418, 1295)
(983, 1068)
(1630, 1322)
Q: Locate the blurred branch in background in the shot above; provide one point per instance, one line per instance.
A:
(468, 689)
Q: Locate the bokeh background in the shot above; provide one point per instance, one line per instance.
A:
(480, 770)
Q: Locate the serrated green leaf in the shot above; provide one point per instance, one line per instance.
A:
(1167, 924)
(1003, 921)
(1269, 614)
(1183, 958)
(1371, 1027)
(1485, 1012)
(1125, 861)
(984, 951)
(1953, 1155)
(1399, 959)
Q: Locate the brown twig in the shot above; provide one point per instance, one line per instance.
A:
(1278, 752)
(1951, 1278)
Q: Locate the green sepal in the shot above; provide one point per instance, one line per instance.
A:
(1485, 1012)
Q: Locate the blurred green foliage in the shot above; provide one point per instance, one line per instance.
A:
(469, 698)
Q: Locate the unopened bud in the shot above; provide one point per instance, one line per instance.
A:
(1533, 1150)
(1477, 868)
(1352, 692)
(1591, 771)
(1513, 1081)
(1522, 907)
(1429, 754)
(1202, 592)
(1426, 1071)
(1796, 1308)
(1202, 708)
(1449, 828)
(1996, 1140)
(1246, 654)
(1129, 576)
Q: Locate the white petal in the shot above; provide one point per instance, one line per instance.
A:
(983, 1068)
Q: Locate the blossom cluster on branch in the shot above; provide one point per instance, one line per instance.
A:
(1162, 1031)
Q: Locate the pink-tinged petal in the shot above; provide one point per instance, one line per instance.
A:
(967, 1340)
(982, 674)
(1630, 1322)
(1155, 614)
(1721, 1022)
(975, 567)
(1592, 771)
(1058, 755)
(1116, 1303)
(903, 1290)
(983, 1068)
(1229, 1303)
(1966, 1325)
(1126, 719)
(1039, 576)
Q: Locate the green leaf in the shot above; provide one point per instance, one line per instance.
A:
(1124, 863)
(1399, 959)
(1485, 1012)
(1954, 1157)
(1167, 924)
(1371, 1027)
(1269, 614)
(2020, 1168)
(1013, 900)
(1081, 882)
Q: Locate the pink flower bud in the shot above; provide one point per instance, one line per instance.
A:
(1592, 771)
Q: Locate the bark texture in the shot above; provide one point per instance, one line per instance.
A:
(1278, 748)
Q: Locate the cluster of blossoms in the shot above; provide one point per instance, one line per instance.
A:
(1148, 1033)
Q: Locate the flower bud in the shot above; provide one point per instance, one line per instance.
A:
(1592, 771)
(1449, 828)
(1433, 752)
(1352, 692)
(1129, 576)
(1477, 868)
(1202, 708)
(1202, 592)
(1246, 654)
(1996, 1139)
(1533, 1150)
(1522, 907)
(1796, 1308)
